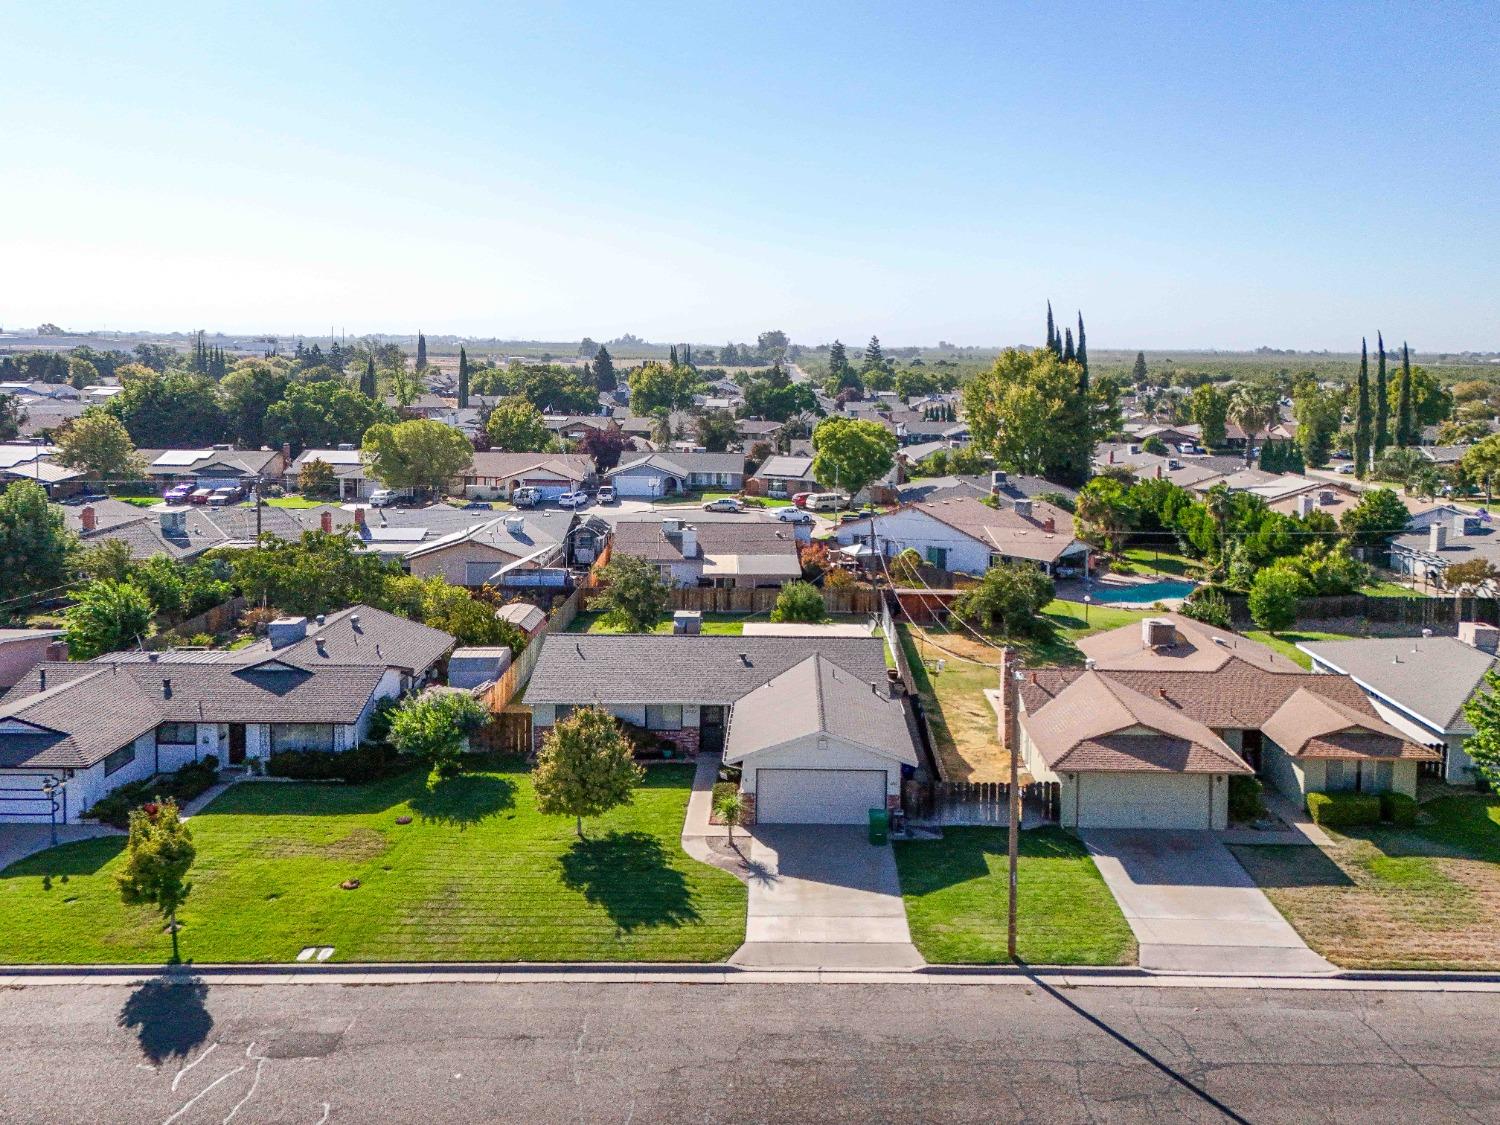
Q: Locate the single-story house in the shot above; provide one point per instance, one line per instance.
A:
(26, 460)
(967, 536)
(475, 556)
(719, 553)
(220, 466)
(348, 465)
(1419, 684)
(575, 427)
(755, 431)
(671, 474)
(805, 758)
(782, 476)
(1138, 737)
(496, 476)
(1426, 554)
(1004, 487)
(72, 732)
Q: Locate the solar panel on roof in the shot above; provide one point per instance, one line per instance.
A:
(182, 456)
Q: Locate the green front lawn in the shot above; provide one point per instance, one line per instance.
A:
(955, 891)
(140, 501)
(1426, 897)
(290, 502)
(479, 874)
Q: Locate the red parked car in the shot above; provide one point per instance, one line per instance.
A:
(800, 499)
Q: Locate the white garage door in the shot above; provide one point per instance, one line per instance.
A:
(817, 796)
(1141, 800)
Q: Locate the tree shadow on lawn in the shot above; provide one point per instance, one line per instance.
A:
(459, 802)
(82, 857)
(168, 1016)
(627, 873)
(1289, 866)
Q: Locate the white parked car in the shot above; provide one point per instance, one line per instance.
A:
(793, 515)
(382, 498)
(573, 500)
(606, 494)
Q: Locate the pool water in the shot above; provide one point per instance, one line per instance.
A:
(1146, 592)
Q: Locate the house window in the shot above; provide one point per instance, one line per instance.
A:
(664, 716)
(119, 759)
(1376, 777)
(561, 711)
(1341, 776)
(176, 734)
(301, 736)
(938, 557)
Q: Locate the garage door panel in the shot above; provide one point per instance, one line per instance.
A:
(784, 796)
(1125, 800)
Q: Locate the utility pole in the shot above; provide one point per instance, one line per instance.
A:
(1010, 672)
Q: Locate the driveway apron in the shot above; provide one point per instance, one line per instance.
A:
(821, 896)
(1193, 908)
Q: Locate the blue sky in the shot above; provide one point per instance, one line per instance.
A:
(1188, 174)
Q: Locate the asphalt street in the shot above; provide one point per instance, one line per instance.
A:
(175, 1054)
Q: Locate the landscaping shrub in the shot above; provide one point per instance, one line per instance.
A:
(190, 781)
(367, 762)
(643, 743)
(1341, 810)
(1244, 798)
(1399, 809)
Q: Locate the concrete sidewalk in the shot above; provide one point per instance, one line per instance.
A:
(821, 897)
(1193, 908)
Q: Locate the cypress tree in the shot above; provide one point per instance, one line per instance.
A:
(1138, 374)
(367, 382)
(1382, 399)
(604, 370)
(1083, 358)
(874, 355)
(463, 379)
(1406, 425)
(1362, 415)
(1068, 354)
(1051, 329)
(421, 351)
(672, 358)
(687, 354)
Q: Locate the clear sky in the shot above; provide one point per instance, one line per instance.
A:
(1189, 175)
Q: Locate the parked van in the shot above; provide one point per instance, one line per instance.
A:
(826, 501)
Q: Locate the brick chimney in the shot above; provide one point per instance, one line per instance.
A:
(1437, 538)
(1049, 524)
(286, 453)
(89, 517)
(327, 520)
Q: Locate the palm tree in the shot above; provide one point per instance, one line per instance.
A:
(1254, 409)
(730, 807)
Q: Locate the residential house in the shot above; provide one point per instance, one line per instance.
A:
(1167, 710)
(348, 465)
(782, 476)
(1425, 554)
(757, 431)
(1419, 684)
(21, 650)
(220, 466)
(823, 740)
(72, 732)
(1002, 486)
(575, 427)
(486, 553)
(967, 536)
(672, 474)
(723, 554)
(497, 475)
(26, 460)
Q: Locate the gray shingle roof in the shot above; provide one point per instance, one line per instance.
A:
(648, 539)
(1432, 677)
(361, 636)
(649, 668)
(816, 696)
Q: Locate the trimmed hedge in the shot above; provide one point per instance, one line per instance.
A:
(1245, 798)
(1342, 810)
(188, 782)
(369, 761)
(1399, 809)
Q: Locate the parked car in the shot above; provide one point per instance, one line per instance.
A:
(1347, 470)
(573, 500)
(226, 495)
(382, 498)
(855, 517)
(178, 494)
(526, 497)
(800, 498)
(793, 515)
(476, 506)
(826, 501)
(724, 504)
(606, 494)
(200, 495)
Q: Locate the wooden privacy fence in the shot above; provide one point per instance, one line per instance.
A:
(1431, 613)
(508, 732)
(841, 600)
(217, 619)
(984, 802)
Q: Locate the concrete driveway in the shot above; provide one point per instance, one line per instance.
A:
(1192, 906)
(822, 897)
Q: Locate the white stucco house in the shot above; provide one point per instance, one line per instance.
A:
(672, 474)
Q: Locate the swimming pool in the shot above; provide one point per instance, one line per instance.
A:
(1145, 593)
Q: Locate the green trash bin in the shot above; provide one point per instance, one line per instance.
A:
(880, 827)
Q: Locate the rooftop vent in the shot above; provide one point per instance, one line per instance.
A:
(286, 631)
(1158, 632)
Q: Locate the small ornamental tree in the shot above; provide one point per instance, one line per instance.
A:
(906, 567)
(799, 602)
(1009, 598)
(585, 767)
(1483, 746)
(158, 856)
(634, 597)
(108, 616)
(316, 479)
(1470, 577)
(1273, 598)
(436, 728)
(731, 808)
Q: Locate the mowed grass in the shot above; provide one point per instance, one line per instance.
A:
(479, 874)
(1162, 562)
(714, 624)
(1286, 643)
(956, 897)
(1426, 897)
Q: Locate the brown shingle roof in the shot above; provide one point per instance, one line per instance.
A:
(1311, 725)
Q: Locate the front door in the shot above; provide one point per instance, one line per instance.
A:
(1251, 750)
(236, 743)
(711, 729)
